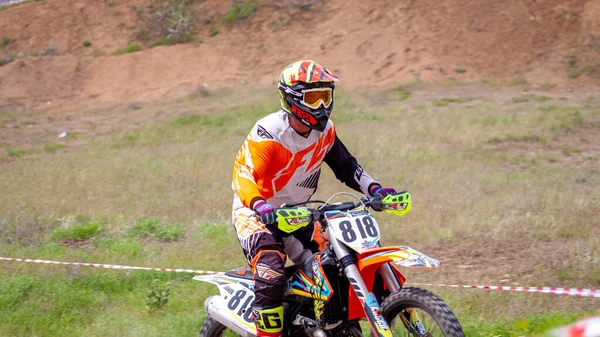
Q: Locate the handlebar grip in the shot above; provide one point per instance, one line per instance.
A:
(376, 202)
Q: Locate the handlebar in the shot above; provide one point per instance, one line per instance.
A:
(290, 217)
(371, 201)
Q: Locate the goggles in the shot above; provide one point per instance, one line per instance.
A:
(314, 98)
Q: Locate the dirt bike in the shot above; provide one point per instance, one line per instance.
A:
(332, 292)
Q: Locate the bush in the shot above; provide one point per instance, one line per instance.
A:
(158, 295)
(6, 59)
(168, 21)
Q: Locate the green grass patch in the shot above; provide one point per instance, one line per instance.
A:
(110, 303)
(519, 80)
(527, 326)
(15, 152)
(493, 82)
(520, 99)
(164, 41)
(240, 10)
(150, 228)
(131, 48)
(4, 41)
(78, 232)
(547, 108)
(511, 137)
(460, 70)
(573, 73)
(53, 147)
(399, 92)
(213, 30)
(447, 100)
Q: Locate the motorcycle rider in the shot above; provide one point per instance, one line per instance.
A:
(280, 162)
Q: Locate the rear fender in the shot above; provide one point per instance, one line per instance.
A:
(234, 304)
(220, 279)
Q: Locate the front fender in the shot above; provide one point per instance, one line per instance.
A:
(371, 260)
(400, 255)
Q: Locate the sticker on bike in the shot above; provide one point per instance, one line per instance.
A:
(239, 301)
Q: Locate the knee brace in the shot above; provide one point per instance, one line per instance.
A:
(269, 278)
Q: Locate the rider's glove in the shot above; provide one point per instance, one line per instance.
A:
(266, 212)
(384, 191)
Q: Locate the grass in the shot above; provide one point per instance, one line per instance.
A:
(213, 30)
(527, 98)
(151, 228)
(163, 41)
(131, 48)
(498, 189)
(447, 100)
(15, 152)
(5, 41)
(79, 232)
(519, 80)
(240, 10)
(400, 92)
(53, 147)
(573, 73)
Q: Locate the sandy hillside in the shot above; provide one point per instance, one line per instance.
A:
(368, 43)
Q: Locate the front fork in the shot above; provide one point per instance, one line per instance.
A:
(378, 324)
(409, 317)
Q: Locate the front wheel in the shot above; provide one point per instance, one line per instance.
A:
(416, 312)
(212, 328)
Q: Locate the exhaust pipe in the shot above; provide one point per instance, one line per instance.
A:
(217, 309)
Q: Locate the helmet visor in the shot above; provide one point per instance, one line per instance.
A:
(313, 98)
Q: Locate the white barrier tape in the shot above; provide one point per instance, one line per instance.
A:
(110, 266)
(545, 290)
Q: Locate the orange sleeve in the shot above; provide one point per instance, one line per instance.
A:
(251, 163)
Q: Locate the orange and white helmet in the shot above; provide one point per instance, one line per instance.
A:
(306, 90)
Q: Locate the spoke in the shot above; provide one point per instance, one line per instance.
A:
(399, 325)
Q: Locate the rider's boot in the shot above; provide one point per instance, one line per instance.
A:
(269, 321)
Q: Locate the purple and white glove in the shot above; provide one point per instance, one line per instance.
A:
(384, 191)
(266, 212)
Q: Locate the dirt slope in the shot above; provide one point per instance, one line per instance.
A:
(380, 43)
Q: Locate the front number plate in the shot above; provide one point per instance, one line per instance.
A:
(358, 231)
